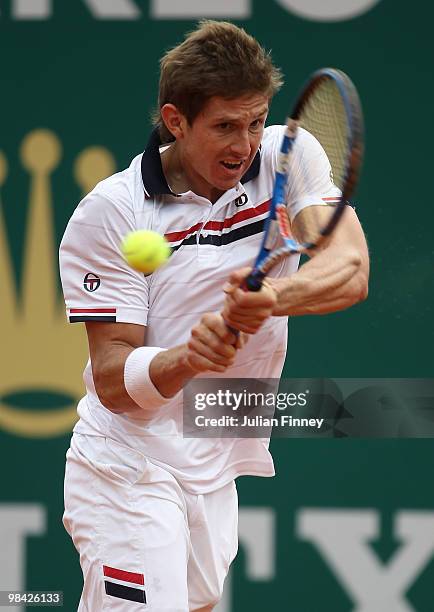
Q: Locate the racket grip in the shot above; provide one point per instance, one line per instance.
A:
(253, 282)
(236, 332)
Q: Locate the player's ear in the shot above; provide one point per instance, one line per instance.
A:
(174, 120)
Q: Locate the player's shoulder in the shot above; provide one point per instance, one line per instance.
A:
(306, 147)
(273, 135)
(121, 184)
(116, 194)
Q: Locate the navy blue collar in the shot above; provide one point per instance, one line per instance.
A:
(153, 177)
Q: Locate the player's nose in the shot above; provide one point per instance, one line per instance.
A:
(241, 146)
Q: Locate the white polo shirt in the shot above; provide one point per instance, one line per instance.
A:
(209, 242)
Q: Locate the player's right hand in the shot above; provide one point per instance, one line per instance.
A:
(212, 346)
(247, 310)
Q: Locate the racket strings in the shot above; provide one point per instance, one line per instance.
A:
(325, 117)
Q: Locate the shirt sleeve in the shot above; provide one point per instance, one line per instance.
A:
(98, 284)
(310, 180)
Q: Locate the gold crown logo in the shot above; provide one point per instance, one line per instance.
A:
(41, 356)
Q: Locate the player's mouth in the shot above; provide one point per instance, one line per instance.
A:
(232, 165)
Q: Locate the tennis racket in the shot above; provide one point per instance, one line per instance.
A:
(329, 108)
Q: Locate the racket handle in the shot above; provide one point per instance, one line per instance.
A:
(236, 332)
(253, 282)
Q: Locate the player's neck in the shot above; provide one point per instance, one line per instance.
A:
(173, 171)
(180, 179)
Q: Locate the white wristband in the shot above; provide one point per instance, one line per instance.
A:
(137, 381)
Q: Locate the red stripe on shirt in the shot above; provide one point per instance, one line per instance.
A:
(175, 236)
(112, 572)
(96, 310)
(242, 215)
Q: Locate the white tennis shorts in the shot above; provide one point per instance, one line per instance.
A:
(145, 544)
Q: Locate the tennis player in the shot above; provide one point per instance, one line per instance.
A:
(153, 515)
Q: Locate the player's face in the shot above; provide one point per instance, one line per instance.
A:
(219, 146)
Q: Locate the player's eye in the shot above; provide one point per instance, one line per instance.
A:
(256, 125)
(225, 126)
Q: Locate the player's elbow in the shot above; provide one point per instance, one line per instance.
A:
(360, 283)
(111, 391)
(364, 289)
(361, 290)
(364, 277)
(104, 389)
(357, 269)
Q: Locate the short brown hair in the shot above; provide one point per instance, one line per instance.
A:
(216, 59)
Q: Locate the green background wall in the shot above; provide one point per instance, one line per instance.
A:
(92, 82)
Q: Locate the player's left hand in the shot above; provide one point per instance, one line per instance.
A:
(247, 310)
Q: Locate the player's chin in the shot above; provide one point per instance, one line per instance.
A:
(226, 185)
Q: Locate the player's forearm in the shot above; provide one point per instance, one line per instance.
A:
(130, 377)
(328, 282)
(168, 371)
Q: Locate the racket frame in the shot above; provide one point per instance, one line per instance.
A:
(266, 258)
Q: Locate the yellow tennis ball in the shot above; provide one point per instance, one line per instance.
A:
(145, 250)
